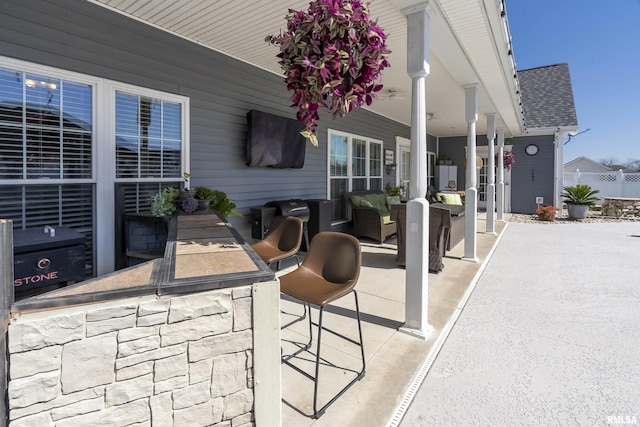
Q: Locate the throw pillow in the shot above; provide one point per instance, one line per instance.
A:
(439, 197)
(380, 203)
(393, 200)
(356, 200)
(451, 199)
(365, 203)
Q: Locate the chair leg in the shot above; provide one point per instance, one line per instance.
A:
(307, 346)
(317, 413)
(298, 319)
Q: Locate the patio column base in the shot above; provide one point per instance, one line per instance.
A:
(469, 259)
(422, 334)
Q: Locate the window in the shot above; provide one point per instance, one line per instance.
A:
(148, 147)
(355, 163)
(46, 143)
(64, 136)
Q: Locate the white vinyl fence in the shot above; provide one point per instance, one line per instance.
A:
(610, 184)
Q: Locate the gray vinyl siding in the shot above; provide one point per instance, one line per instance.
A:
(532, 176)
(79, 36)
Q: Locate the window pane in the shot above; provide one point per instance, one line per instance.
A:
(68, 205)
(375, 159)
(148, 137)
(53, 139)
(137, 197)
(359, 157)
(375, 184)
(338, 188)
(338, 156)
(359, 184)
(11, 151)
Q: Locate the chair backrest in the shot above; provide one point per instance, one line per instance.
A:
(336, 257)
(285, 233)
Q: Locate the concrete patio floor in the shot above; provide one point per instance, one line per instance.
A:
(395, 360)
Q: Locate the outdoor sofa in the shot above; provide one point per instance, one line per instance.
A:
(454, 202)
(371, 214)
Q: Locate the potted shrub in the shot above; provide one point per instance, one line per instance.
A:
(222, 204)
(578, 199)
(204, 196)
(546, 213)
(164, 202)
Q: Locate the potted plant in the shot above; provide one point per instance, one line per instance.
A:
(332, 56)
(546, 213)
(578, 199)
(222, 204)
(164, 202)
(204, 196)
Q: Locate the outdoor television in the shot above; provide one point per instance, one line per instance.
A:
(274, 141)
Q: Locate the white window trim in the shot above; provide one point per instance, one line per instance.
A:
(350, 176)
(103, 148)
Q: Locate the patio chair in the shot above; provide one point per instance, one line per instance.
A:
(329, 271)
(282, 241)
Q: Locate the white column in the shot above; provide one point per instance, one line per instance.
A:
(471, 192)
(417, 259)
(500, 167)
(491, 175)
(558, 142)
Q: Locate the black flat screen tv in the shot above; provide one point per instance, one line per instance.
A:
(274, 141)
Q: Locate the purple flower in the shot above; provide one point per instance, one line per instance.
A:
(333, 51)
(189, 205)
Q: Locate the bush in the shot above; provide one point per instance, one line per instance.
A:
(546, 213)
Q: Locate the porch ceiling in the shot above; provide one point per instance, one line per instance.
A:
(469, 44)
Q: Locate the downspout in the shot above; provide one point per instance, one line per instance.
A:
(558, 141)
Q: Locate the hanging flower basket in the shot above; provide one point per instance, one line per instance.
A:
(508, 159)
(332, 56)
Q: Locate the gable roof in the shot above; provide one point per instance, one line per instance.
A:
(547, 97)
(583, 159)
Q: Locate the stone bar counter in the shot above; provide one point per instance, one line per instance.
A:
(192, 338)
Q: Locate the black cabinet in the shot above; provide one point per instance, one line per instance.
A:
(320, 211)
(145, 237)
(261, 218)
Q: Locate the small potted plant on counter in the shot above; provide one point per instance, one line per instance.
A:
(164, 202)
(204, 196)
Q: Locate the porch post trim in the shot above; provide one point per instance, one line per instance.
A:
(471, 193)
(417, 265)
(491, 174)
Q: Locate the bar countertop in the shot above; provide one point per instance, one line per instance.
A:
(203, 252)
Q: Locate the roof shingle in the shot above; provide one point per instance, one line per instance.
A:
(547, 97)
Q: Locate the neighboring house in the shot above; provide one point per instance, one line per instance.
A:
(585, 164)
(164, 88)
